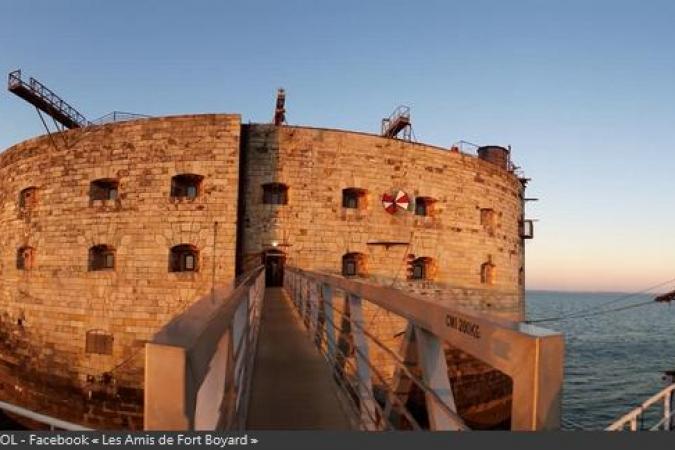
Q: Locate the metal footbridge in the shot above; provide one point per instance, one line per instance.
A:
(302, 356)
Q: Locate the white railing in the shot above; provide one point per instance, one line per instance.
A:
(634, 419)
(198, 367)
(531, 356)
(52, 422)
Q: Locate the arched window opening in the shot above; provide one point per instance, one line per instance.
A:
(353, 264)
(353, 198)
(103, 189)
(424, 206)
(488, 273)
(24, 258)
(488, 219)
(275, 194)
(186, 186)
(184, 258)
(28, 197)
(99, 342)
(101, 257)
(420, 269)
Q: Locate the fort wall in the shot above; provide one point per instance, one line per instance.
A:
(51, 301)
(48, 308)
(314, 230)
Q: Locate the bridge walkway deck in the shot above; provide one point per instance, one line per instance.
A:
(292, 387)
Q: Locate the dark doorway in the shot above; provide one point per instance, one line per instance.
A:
(274, 267)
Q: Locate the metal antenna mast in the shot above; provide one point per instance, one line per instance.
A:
(280, 110)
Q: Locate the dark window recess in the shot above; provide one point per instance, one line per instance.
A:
(184, 258)
(423, 206)
(527, 229)
(105, 189)
(101, 257)
(275, 194)
(420, 268)
(353, 264)
(28, 197)
(24, 258)
(186, 186)
(353, 198)
(99, 342)
(487, 273)
(488, 218)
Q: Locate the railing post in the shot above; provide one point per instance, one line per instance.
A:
(401, 383)
(290, 279)
(298, 291)
(329, 320)
(305, 299)
(365, 387)
(314, 309)
(668, 411)
(435, 374)
(633, 423)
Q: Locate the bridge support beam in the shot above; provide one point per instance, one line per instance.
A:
(329, 320)
(435, 375)
(365, 387)
(531, 356)
(314, 302)
(198, 367)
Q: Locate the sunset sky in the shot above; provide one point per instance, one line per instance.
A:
(584, 92)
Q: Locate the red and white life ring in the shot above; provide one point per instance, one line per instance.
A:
(392, 203)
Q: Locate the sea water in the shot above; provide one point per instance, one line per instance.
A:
(613, 362)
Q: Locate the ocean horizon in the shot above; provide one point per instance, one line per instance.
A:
(614, 360)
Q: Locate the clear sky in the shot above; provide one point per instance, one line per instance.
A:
(584, 91)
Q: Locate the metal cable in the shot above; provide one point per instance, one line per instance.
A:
(419, 383)
(581, 312)
(595, 314)
(397, 404)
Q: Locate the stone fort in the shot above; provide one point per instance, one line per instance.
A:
(109, 231)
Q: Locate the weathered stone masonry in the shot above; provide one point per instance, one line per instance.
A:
(47, 308)
(315, 230)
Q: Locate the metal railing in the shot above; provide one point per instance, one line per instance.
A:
(634, 420)
(118, 116)
(398, 121)
(471, 149)
(44, 98)
(52, 422)
(531, 356)
(204, 359)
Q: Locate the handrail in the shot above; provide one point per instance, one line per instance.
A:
(46, 100)
(397, 121)
(205, 357)
(631, 419)
(374, 415)
(53, 422)
(118, 116)
(400, 111)
(400, 363)
(531, 356)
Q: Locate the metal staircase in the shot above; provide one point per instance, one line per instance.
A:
(44, 99)
(397, 122)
